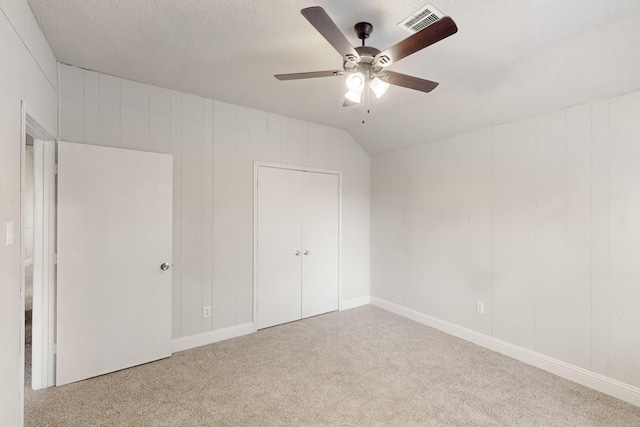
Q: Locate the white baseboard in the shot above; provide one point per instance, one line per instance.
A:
(354, 302)
(582, 376)
(185, 343)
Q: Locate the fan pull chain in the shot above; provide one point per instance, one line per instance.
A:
(364, 95)
(367, 95)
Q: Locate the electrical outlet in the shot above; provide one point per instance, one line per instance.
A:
(206, 312)
(480, 307)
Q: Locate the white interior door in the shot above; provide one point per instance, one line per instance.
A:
(320, 244)
(114, 232)
(44, 209)
(279, 252)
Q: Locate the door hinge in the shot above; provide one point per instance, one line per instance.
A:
(55, 259)
(55, 348)
(55, 169)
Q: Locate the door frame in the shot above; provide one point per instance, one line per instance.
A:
(256, 166)
(31, 123)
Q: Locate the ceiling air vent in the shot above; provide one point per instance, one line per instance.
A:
(421, 18)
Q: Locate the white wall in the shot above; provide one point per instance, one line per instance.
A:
(27, 72)
(538, 219)
(214, 145)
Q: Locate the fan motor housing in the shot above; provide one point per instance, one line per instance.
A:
(367, 55)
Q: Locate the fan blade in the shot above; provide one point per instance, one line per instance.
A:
(309, 75)
(441, 29)
(408, 81)
(330, 31)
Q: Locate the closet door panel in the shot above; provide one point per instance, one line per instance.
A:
(279, 227)
(320, 204)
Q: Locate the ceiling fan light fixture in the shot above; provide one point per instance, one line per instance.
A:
(354, 96)
(378, 87)
(355, 82)
(363, 65)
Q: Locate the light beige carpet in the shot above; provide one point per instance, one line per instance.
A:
(361, 367)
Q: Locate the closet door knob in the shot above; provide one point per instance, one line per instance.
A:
(297, 253)
(306, 252)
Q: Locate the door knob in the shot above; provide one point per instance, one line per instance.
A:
(164, 266)
(306, 252)
(297, 253)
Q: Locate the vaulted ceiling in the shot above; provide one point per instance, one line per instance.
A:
(509, 59)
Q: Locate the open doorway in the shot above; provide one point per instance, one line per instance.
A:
(37, 248)
(28, 243)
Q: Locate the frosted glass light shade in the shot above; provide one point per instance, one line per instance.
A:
(354, 96)
(378, 87)
(355, 82)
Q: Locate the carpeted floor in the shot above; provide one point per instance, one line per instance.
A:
(28, 322)
(360, 367)
(28, 326)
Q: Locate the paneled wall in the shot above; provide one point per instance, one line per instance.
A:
(27, 73)
(214, 145)
(538, 219)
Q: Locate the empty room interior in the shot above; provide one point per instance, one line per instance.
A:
(319, 213)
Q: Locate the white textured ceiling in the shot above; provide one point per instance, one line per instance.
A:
(510, 58)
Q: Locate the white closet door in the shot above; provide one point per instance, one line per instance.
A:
(279, 251)
(114, 233)
(320, 234)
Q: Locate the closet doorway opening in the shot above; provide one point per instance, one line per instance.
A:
(37, 246)
(296, 243)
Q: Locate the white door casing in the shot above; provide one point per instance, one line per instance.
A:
(114, 232)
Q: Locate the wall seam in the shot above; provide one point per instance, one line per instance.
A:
(566, 291)
(202, 246)
(535, 249)
(493, 190)
(608, 163)
(591, 239)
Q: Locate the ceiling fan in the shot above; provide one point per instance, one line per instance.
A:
(366, 66)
